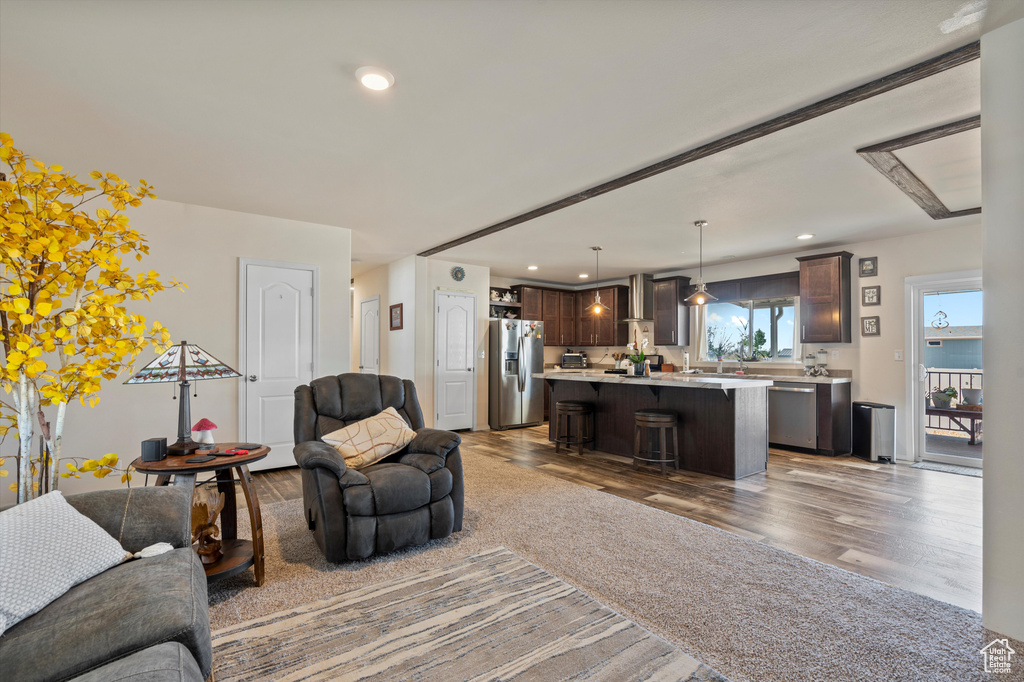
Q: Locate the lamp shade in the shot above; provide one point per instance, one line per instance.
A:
(198, 365)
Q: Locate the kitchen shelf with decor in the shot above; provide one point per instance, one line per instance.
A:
(504, 303)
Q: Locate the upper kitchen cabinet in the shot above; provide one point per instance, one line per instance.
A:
(671, 316)
(825, 299)
(607, 328)
(559, 316)
(531, 299)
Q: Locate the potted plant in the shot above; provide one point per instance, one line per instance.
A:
(636, 354)
(942, 398)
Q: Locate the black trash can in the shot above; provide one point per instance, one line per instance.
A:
(874, 431)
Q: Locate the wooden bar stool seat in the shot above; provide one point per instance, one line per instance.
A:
(583, 413)
(656, 424)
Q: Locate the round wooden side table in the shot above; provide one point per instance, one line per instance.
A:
(238, 554)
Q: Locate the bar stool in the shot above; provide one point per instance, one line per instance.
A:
(583, 413)
(662, 421)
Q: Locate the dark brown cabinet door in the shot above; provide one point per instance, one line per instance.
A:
(567, 318)
(533, 306)
(551, 317)
(585, 326)
(671, 315)
(605, 324)
(825, 305)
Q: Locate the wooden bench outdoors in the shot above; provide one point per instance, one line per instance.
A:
(973, 419)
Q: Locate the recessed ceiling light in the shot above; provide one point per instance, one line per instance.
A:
(375, 79)
(805, 236)
(531, 267)
(584, 275)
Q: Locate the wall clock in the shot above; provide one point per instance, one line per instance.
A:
(458, 274)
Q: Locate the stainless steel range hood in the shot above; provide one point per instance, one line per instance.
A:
(641, 298)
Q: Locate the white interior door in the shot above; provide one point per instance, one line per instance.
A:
(369, 336)
(454, 362)
(278, 341)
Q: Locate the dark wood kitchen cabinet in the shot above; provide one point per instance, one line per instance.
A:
(531, 300)
(671, 315)
(825, 298)
(567, 317)
(559, 316)
(605, 329)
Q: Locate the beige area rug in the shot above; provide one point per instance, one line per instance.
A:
(491, 616)
(748, 610)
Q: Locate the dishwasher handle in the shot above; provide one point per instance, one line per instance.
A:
(791, 390)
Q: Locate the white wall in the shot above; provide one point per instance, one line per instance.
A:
(1002, 146)
(402, 342)
(201, 247)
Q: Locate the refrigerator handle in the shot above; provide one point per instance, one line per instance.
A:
(522, 363)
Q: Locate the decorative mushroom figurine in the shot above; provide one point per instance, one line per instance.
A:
(205, 428)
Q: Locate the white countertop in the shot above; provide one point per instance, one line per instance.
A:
(667, 379)
(711, 375)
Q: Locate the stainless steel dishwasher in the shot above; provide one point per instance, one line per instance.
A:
(793, 415)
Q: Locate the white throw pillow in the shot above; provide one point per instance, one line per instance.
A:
(46, 548)
(371, 440)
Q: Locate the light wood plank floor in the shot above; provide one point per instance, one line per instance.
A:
(915, 529)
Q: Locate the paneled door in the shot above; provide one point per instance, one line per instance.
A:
(278, 338)
(369, 336)
(454, 361)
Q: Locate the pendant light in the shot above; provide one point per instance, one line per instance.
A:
(596, 307)
(701, 295)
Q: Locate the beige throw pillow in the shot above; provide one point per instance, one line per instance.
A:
(371, 440)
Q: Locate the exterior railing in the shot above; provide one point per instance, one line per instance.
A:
(939, 378)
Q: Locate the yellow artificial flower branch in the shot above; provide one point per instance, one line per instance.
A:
(64, 327)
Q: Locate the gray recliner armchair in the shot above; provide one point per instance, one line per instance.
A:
(410, 497)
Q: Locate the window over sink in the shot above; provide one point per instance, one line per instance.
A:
(761, 329)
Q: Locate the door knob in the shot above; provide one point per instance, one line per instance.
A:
(252, 377)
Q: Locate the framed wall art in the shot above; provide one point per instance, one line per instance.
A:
(870, 326)
(396, 316)
(868, 266)
(871, 295)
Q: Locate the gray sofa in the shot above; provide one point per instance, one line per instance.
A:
(406, 499)
(145, 619)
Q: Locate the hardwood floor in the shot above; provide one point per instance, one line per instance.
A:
(915, 529)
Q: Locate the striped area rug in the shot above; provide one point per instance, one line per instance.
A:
(492, 616)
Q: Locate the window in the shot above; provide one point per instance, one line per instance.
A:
(763, 329)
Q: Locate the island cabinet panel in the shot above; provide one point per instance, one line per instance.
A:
(671, 316)
(721, 432)
(531, 299)
(825, 298)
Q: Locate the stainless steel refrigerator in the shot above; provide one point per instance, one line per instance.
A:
(517, 352)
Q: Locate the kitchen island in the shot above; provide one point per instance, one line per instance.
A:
(723, 422)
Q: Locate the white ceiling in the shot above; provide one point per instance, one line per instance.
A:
(498, 107)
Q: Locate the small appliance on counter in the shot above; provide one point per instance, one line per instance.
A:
(571, 360)
(656, 362)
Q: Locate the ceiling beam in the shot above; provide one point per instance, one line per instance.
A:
(943, 62)
(882, 158)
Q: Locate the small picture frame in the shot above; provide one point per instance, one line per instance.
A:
(868, 266)
(870, 326)
(395, 313)
(871, 295)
